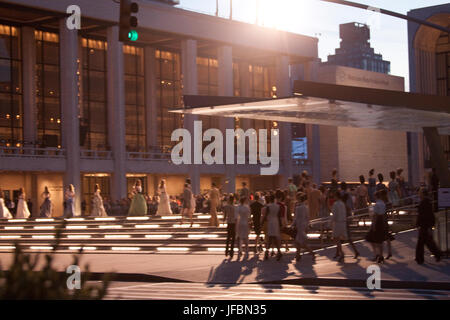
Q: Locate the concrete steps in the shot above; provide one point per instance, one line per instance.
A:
(141, 234)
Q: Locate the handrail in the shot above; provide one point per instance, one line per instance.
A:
(32, 152)
(365, 214)
(148, 156)
(95, 154)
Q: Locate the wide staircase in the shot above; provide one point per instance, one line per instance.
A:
(150, 234)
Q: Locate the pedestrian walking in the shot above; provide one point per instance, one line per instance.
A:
(138, 206)
(377, 232)
(4, 211)
(271, 214)
(301, 223)
(425, 222)
(242, 224)
(347, 199)
(22, 207)
(339, 224)
(372, 187)
(98, 210)
(255, 210)
(69, 202)
(229, 217)
(46, 206)
(362, 195)
(214, 200)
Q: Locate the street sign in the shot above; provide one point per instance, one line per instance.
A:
(444, 198)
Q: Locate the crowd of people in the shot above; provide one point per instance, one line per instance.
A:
(280, 215)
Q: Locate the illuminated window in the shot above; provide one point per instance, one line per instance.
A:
(47, 89)
(168, 77)
(11, 110)
(93, 122)
(134, 98)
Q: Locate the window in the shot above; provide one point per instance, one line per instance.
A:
(168, 76)
(262, 85)
(93, 120)
(443, 65)
(207, 70)
(134, 98)
(47, 89)
(443, 78)
(11, 110)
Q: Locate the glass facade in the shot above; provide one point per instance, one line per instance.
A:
(93, 121)
(443, 78)
(262, 85)
(134, 98)
(47, 89)
(168, 75)
(208, 85)
(11, 109)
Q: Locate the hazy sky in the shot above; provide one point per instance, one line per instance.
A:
(316, 18)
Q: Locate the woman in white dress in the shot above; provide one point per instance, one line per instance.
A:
(301, 223)
(243, 217)
(69, 202)
(339, 224)
(22, 207)
(164, 203)
(46, 206)
(98, 210)
(4, 212)
(271, 213)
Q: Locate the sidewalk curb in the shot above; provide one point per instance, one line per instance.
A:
(330, 282)
(357, 283)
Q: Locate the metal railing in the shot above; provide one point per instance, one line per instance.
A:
(159, 156)
(363, 217)
(32, 152)
(96, 154)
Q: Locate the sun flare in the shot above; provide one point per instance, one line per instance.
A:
(282, 14)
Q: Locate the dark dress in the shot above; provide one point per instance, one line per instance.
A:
(256, 208)
(371, 189)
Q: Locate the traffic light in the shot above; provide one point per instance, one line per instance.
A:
(127, 21)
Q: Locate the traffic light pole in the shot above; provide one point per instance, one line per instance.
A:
(389, 13)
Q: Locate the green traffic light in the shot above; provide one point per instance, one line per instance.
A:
(133, 35)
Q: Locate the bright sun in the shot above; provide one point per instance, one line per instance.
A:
(282, 14)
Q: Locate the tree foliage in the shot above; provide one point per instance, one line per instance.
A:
(26, 279)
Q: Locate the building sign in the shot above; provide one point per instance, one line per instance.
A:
(444, 198)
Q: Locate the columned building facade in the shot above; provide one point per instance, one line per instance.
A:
(79, 107)
(429, 68)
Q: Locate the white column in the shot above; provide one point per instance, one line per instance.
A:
(151, 114)
(283, 84)
(190, 86)
(29, 85)
(313, 130)
(225, 82)
(68, 48)
(116, 112)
